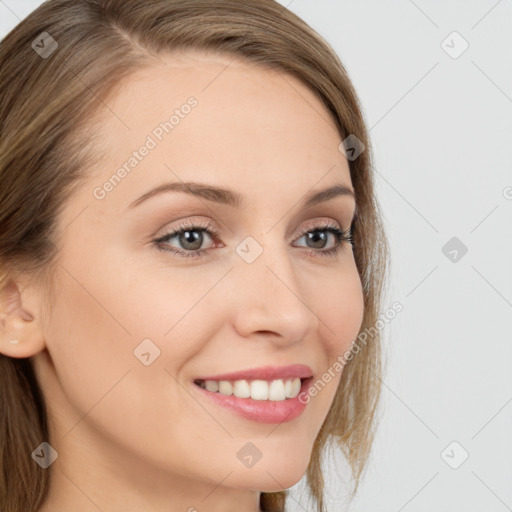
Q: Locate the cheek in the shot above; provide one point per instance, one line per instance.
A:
(111, 313)
(342, 309)
(89, 338)
(96, 326)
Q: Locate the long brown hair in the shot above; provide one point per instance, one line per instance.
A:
(46, 102)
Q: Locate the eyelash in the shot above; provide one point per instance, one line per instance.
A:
(342, 236)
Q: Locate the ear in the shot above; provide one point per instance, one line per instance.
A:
(20, 334)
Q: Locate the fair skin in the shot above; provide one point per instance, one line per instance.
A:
(132, 437)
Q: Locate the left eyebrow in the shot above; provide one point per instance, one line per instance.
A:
(235, 199)
(328, 193)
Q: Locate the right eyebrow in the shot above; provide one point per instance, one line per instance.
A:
(208, 192)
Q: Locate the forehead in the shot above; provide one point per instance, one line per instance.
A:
(219, 119)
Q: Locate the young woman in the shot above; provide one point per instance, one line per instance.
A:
(190, 245)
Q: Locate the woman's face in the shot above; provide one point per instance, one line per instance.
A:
(135, 323)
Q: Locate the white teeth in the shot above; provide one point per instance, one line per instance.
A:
(241, 389)
(211, 385)
(287, 387)
(275, 390)
(225, 387)
(294, 388)
(259, 390)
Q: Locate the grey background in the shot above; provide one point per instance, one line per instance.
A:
(441, 128)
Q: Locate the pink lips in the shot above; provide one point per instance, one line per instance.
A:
(263, 411)
(301, 371)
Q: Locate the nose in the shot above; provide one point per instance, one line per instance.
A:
(270, 300)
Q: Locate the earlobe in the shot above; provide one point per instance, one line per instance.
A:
(20, 334)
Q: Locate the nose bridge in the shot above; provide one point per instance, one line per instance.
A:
(270, 295)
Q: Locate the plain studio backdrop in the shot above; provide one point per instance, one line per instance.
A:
(435, 83)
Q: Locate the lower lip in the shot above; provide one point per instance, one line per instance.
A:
(262, 411)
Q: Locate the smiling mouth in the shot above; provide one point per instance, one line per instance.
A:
(276, 390)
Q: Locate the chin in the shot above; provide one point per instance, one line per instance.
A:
(277, 473)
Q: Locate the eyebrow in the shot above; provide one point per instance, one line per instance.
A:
(232, 198)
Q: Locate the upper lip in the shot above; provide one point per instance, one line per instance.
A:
(265, 373)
